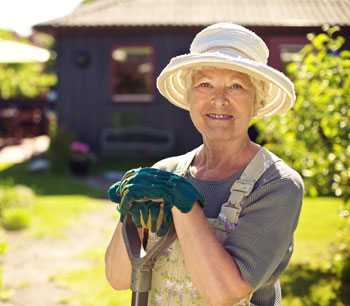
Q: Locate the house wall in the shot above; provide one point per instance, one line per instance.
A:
(85, 104)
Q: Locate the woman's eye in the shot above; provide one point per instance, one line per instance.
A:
(204, 84)
(236, 86)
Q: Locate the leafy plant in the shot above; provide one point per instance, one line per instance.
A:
(314, 136)
(59, 150)
(15, 219)
(25, 80)
(12, 195)
(81, 152)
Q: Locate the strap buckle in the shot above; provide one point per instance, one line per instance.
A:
(230, 214)
(244, 186)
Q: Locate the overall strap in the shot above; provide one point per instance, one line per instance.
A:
(242, 187)
(185, 161)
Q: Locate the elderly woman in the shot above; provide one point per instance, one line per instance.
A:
(235, 230)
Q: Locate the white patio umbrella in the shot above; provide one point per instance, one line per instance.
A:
(16, 52)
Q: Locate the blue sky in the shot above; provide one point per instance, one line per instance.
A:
(20, 15)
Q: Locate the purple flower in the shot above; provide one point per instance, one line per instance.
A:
(79, 147)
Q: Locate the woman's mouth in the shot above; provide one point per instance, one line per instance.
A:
(219, 116)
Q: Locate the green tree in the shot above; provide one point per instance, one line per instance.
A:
(24, 80)
(314, 136)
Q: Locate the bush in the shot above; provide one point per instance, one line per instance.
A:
(15, 219)
(12, 195)
(59, 151)
(314, 136)
(25, 80)
(14, 201)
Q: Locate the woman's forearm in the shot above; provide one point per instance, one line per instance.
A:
(212, 269)
(117, 262)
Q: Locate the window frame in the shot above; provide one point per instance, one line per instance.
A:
(132, 98)
(275, 44)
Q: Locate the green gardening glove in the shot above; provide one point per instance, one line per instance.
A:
(154, 215)
(148, 194)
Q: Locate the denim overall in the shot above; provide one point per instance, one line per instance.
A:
(171, 283)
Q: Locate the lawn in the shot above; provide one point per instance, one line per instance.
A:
(317, 229)
(59, 212)
(306, 282)
(62, 198)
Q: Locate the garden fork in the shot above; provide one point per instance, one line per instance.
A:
(141, 277)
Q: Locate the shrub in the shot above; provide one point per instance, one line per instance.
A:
(14, 219)
(12, 195)
(59, 150)
(314, 136)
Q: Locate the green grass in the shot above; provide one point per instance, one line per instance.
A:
(61, 199)
(317, 229)
(4, 166)
(306, 282)
(90, 285)
(52, 214)
(48, 183)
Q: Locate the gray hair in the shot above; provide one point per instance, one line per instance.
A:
(259, 85)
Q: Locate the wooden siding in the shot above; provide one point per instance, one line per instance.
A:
(85, 105)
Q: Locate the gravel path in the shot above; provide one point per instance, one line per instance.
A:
(30, 263)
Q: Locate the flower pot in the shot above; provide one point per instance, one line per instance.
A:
(79, 168)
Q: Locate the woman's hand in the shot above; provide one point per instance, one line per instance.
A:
(148, 194)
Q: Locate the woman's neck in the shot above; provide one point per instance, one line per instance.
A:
(217, 160)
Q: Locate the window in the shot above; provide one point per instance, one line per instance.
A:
(132, 74)
(288, 54)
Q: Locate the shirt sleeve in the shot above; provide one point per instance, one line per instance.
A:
(265, 229)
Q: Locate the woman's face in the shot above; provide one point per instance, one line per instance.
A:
(221, 103)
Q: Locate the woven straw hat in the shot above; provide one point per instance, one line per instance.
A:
(229, 46)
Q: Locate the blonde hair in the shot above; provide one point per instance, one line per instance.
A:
(259, 85)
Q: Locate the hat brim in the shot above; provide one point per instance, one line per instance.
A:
(280, 89)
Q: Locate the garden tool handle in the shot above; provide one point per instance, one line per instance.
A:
(142, 266)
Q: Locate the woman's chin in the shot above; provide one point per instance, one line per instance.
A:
(218, 136)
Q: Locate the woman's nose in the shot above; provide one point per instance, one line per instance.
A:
(220, 97)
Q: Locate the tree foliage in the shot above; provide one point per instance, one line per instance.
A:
(24, 80)
(314, 136)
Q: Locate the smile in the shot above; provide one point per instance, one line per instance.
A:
(219, 116)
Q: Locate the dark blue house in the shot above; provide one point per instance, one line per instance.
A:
(109, 54)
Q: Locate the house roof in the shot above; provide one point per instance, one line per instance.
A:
(203, 12)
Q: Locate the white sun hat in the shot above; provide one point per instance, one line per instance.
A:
(230, 46)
